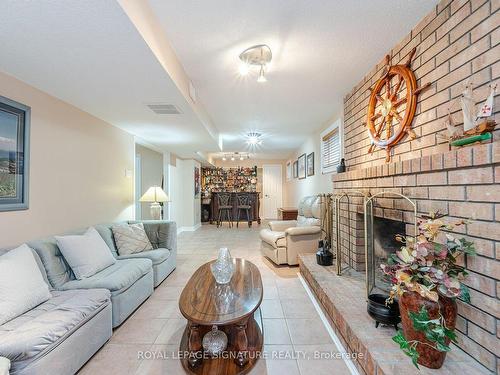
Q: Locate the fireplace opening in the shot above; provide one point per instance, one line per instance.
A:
(384, 244)
(386, 215)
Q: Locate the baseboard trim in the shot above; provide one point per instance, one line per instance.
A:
(189, 229)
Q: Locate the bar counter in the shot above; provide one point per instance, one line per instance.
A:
(254, 202)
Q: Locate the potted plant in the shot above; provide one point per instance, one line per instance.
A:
(427, 278)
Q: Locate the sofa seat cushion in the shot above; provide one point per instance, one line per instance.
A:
(38, 330)
(116, 278)
(274, 238)
(157, 256)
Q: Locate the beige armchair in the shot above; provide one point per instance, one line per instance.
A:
(284, 240)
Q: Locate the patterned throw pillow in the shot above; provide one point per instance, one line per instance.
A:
(131, 238)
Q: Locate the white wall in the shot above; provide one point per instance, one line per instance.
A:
(78, 169)
(295, 189)
(151, 175)
(174, 193)
(185, 208)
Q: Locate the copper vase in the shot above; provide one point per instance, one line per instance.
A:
(412, 302)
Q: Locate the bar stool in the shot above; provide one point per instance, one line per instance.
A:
(243, 203)
(225, 209)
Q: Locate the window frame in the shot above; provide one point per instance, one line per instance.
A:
(336, 125)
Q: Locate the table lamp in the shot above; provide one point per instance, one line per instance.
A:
(155, 195)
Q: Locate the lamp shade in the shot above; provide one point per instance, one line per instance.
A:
(154, 194)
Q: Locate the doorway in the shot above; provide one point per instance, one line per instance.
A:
(272, 186)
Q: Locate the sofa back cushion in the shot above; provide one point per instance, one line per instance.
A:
(107, 235)
(303, 221)
(310, 211)
(131, 238)
(58, 270)
(22, 286)
(161, 234)
(86, 254)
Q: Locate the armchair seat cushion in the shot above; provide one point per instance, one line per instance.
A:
(274, 238)
(39, 330)
(116, 278)
(156, 256)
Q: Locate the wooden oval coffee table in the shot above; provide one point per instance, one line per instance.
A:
(233, 308)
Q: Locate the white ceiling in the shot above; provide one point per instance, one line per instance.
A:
(89, 54)
(321, 49)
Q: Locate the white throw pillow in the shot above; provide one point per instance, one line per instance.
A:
(22, 286)
(86, 254)
(131, 238)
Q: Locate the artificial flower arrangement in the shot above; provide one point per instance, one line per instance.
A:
(426, 278)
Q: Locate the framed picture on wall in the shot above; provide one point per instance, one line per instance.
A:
(302, 166)
(14, 155)
(196, 181)
(289, 171)
(295, 169)
(310, 164)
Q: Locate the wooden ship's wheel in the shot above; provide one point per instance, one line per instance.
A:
(392, 106)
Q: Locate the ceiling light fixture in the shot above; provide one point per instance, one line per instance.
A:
(259, 55)
(244, 69)
(253, 139)
(262, 77)
(236, 155)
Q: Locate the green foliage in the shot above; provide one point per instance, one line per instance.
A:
(461, 245)
(7, 185)
(434, 330)
(464, 293)
(407, 347)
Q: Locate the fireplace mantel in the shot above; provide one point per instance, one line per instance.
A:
(479, 155)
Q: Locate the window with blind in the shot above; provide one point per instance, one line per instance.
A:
(330, 149)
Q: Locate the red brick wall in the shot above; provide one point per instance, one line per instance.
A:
(457, 41)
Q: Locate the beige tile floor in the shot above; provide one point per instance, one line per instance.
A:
(291, 323)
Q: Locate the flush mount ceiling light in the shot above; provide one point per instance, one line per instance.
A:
(253, 139)
(259, 55)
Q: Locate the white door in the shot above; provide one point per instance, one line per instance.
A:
(271, 191)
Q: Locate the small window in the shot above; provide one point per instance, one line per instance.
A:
(330, 148)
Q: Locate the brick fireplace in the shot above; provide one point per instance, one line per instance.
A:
(457, 42)
(462, 183)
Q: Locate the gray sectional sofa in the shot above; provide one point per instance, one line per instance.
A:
(163, 237)
(60, 335)
(44, 339)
